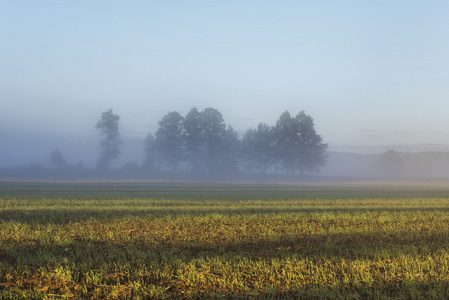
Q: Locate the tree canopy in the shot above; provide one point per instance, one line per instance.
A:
(169, 139)
(202, 142)
(110, 145)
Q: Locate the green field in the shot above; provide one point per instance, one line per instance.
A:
(179, 240)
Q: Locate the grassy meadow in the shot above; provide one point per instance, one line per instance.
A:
(178, 240)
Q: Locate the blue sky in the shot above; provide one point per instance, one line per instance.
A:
(369, 72)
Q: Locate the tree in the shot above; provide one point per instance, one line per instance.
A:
(230, 151)
(192, 138)
(56, 158)
(213, 132)
(258, 148)
(313, 152)
(110, 145)
(298, 146)
(287, 142)
(169, 141)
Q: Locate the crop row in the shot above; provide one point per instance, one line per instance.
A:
(307, 247)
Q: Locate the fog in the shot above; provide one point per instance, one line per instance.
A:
(372, 75)
(27, 156)
(20, 149)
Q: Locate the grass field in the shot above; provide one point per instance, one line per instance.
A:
(178, 240)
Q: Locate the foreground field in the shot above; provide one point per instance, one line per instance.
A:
(160, 240)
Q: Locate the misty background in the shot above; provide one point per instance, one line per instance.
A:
(372, 75)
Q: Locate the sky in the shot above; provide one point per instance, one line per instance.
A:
(370, 73)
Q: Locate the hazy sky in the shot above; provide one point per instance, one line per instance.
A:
(368, 72)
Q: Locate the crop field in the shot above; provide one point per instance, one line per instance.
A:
(158, 240)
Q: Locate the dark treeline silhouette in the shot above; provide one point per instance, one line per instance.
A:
(198, 145)
(201, 146)
(201, 142)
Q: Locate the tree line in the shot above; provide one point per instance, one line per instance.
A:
(201, 142)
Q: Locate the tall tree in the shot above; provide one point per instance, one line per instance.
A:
(313, 152)
(298, 146)
(192, 139)
(110, 145)
(287, 142)
(258, 148)
(230, 151)
(169, 140)
(213, 130)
